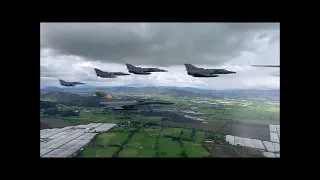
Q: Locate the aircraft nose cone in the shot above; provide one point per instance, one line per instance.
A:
(231, 72)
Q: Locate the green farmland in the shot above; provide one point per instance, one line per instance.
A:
(149, 141)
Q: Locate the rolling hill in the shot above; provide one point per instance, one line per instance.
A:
(272, 94)
(71, 99)
(174, 92)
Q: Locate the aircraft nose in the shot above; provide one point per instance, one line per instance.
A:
(231, 72)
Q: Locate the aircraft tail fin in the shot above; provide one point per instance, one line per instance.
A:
(61, 81)
(130, 66)
(98, 71)
(189, 66)
(102, 94)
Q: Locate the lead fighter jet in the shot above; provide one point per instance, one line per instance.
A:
(201, 72)
(108, 103)
(104, 74)
(143, 71)
(65, 83)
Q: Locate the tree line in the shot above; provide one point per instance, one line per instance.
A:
(115, 154)
(47, 104)
(61, 113)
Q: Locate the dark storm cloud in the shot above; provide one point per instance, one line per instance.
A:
(162, 44)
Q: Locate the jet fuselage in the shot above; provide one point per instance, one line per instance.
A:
(118, 104)
(104, 74)
(65, 83)
(142, 71)
(214, 71)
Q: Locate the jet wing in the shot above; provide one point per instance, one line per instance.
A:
(77, 83)
(141, 72)
(109, 75)
(198, 74)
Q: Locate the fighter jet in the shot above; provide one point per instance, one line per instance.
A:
(108, 103)
(104, 74)
(201, 72)
(65, 83)
(143, 71)
(266, 65)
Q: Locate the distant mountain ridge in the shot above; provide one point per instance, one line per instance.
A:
(273, 95)
(136, 89)
(73, 97)
(130, 90)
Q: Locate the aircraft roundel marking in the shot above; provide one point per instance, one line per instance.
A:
(108, 96)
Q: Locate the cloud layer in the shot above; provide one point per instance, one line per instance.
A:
(70, 51)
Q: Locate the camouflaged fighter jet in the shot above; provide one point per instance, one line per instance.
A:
(201, 72)
(143, 71)
(266, 65)
(65, 83)
(108, 103)
(104, 74)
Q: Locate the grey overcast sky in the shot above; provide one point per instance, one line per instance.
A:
(70, 51)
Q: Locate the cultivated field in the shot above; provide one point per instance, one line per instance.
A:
(139, 146)
(147, 141)
(195, 150)
(99, 152)
(110, 138)
(213, 126)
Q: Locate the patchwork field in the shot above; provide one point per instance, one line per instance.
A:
(149, 141)
(195, 150)
(172, 131)
(139, 146)
(110, 138)
(99, 152)
(256, 113)
(169, 148)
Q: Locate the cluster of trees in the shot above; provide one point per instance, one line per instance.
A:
(100, 114)
(123, 117)
(160, 153)
(61, 113)
(217, 139)
(157, 145)
(183, 153)
(47, 104)
(150, 124)
(90, 101)
(193, 133)
(120, 130)
(114, 145)
(181, 138)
